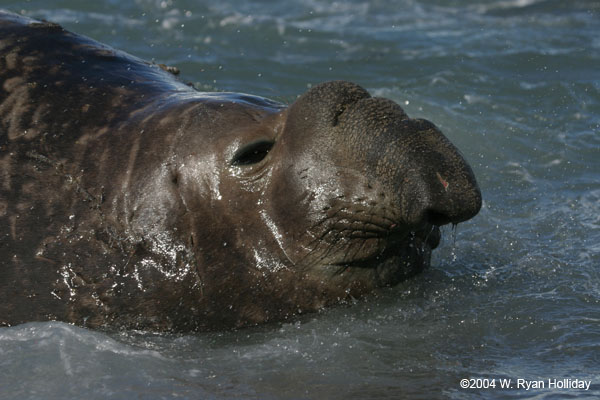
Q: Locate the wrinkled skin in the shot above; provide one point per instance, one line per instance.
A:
(129, 200)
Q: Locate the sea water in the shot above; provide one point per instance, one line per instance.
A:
(508, 306)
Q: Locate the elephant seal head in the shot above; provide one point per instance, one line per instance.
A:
(367, 186)
(296, 208)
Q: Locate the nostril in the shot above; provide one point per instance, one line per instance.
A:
(437, 218)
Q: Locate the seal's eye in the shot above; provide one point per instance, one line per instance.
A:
(252, 153)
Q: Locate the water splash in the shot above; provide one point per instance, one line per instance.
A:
(454, 230)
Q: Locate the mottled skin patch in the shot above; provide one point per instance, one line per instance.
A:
(129, 200)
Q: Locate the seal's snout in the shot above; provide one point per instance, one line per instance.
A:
(439, 187)
(454, 208)
(421, 173)
(412, 160)
(436, 184)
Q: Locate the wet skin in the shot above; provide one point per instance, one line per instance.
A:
(130, 200)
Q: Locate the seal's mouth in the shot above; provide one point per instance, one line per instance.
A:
(400, 255)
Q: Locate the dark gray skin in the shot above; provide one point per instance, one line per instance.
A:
(130, 200)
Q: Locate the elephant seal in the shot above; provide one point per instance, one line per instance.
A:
(129, 200)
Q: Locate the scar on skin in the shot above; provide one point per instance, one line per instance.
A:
(444, 182)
